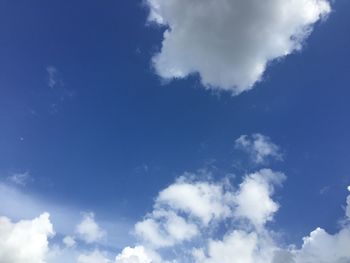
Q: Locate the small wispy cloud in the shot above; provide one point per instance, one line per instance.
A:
(20, 178)
(53, 78)
(259, 147)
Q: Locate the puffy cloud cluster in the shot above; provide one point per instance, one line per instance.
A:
(259, 147)
(230, 42)
(186, 209)
(247, 240)
(198, 221)
(322, 247)
(25, 241)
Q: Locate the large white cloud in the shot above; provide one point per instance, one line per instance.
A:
(230, 42)
(25, 241)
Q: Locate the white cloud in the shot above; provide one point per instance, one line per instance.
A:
(183, 234)
(203, 200)
(25, 241)
(238, 247)
(88, 230)
(253, 198)
(137, 254)
(165, 228)
(20, 178)
(69, 241)
(53, 78)
(348, 205)
(322, 247)
(18, 205)
(94, 257)
(259, 147)
(230, 42)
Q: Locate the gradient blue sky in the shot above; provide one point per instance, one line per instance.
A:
(110, 134)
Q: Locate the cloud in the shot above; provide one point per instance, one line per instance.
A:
(230, 42)
(182, 209)
(20, 178)
(18, 205)
(248, 238)
(165, 228)
(53, 79)
(237, 247)
(259, 147)
(322, 247)
(25, 241)
(137, 254)
(203, 200)
(253, 198)
(94, 257)
(188, 208)
(69, 241)
(88, 230)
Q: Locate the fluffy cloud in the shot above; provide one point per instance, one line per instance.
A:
(230, 42)
(236, 247)
(181, 209)
(193, 220)
(254, 200)
(69, 241)
(322, 247)
(259, 147)
(204, 200)
(187, 208)
(94, 257)
(165, 228)
(88, 230)
(25, 241)
(248, 239)
(133, 255)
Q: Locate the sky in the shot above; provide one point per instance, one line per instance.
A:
(174, 131)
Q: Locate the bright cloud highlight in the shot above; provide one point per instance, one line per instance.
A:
(230, 42)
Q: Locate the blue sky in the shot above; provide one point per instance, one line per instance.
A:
(90, 126)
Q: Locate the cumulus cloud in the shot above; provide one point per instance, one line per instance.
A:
(182, 209)
(230, 42)
(236, 247)
(88, 230)
(25, 241)
(94, 257)
(253, 198)
(204, 200)
(259, 147)
(248, 240)
(195, 219)
(137, 254)
(187, 209)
